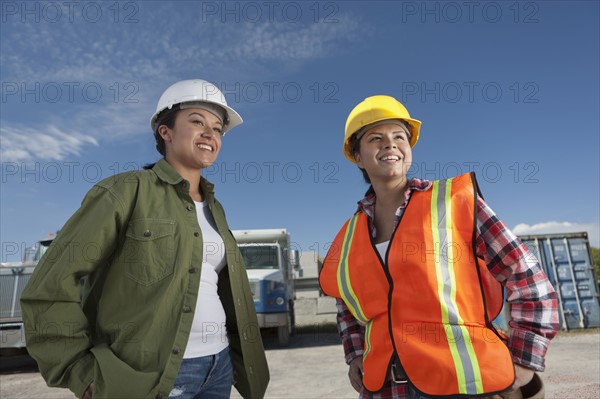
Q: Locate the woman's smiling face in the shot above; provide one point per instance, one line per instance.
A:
(194, 141)
(385, 152)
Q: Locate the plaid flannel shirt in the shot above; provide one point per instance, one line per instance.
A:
(534, 315)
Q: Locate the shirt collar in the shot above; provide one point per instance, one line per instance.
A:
(367, 204)
(207, 189)
(169, 175)
(166, 172)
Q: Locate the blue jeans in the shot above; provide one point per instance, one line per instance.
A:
(207, 377)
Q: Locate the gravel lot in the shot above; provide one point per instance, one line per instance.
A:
(313, 367)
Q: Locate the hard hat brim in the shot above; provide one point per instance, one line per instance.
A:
(234, 119)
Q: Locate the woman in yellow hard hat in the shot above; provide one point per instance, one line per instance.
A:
(419, 271)
(166, 309)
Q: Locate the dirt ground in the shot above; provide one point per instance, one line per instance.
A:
(313, 367)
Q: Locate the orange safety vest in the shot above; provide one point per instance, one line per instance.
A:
(430, 302)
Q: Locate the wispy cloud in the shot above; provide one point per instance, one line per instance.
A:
(292, 44)
(83, 51)
(140, 60)
(23, 144)
(553, 227)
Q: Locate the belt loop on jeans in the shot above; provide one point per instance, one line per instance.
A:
(397, 373)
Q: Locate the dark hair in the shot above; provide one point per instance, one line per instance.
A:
(167, 118)
(355, 148)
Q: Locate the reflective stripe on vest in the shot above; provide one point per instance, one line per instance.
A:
(343, 279)
(339, 279)
(429, 302)
(459, 341)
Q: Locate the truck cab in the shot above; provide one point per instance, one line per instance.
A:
(270, 264)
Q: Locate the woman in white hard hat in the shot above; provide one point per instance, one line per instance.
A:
(419, 272)
(166, 309)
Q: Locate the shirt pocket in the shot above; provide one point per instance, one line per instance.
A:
(148, 250)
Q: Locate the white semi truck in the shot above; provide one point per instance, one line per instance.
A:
(269, 260)
(270, 263)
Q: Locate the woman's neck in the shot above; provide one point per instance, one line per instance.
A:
(390, 194)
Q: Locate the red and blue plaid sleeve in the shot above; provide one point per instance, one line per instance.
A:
(532, 299)
(351, 331)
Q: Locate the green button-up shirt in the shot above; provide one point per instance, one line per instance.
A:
(137, 242)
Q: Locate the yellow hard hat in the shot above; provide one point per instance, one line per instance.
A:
(376, 109)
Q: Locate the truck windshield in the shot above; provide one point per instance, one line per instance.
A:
(260, 257)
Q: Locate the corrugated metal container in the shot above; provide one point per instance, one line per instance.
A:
(12, 282)
(566, 259)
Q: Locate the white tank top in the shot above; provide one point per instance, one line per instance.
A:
(382, 248)
(209, 334)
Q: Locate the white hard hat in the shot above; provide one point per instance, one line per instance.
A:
(196, 91)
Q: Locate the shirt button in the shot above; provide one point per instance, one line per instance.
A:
(189, 208)
(196, 234)
(251, 370)
(245, 337)
(239, 302)
(147, 233)
(186, 309)
(193, 270)
(175, 351)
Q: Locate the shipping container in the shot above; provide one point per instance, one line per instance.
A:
(566, 259)
(13, 279)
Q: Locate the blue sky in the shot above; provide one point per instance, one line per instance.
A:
(509, 90)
